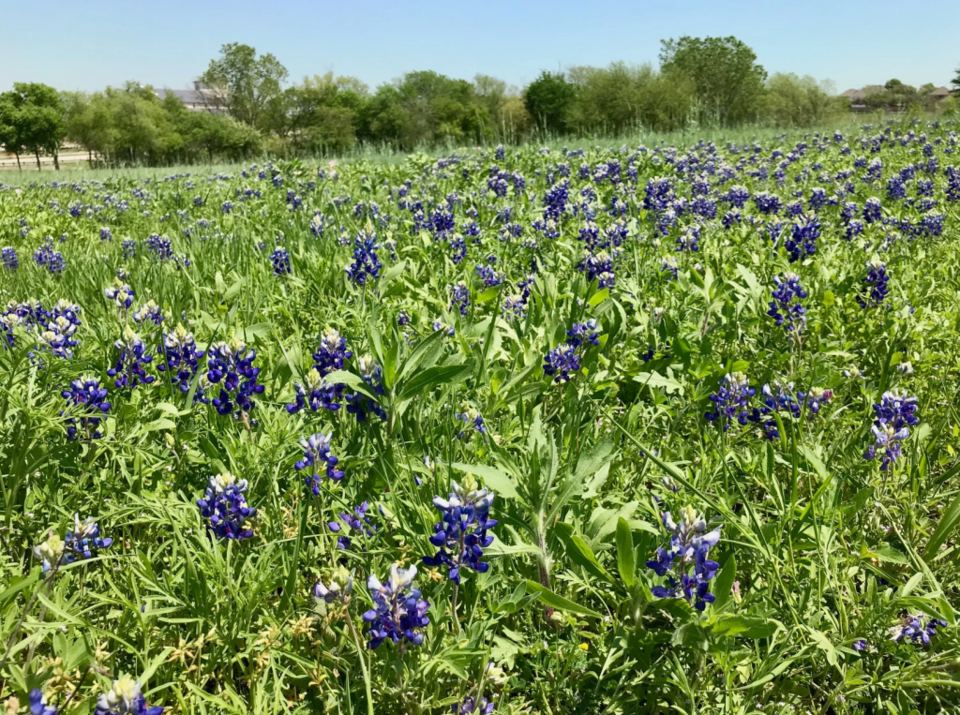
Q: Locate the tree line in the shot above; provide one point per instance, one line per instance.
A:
(251, 108)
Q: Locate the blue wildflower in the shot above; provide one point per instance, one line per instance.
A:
(917, 629)
(461, 534)
(398, 609)
(731, 400)
(87, 403)
(316, 452)
(785, 308)
(690, 544)
(125, 698)
(357, 522)
(894, 416)
(231, 366)
(280, 258)
(129, 368)
(226, 507)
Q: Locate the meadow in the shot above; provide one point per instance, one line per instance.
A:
(621, 429)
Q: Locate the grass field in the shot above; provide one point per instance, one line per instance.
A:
(663, 425)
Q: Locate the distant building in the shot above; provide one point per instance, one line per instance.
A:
(940, 93)
(199, 99)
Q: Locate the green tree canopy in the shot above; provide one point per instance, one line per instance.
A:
(32, 119)
(549, 99)
(244, 83)
(729, 81)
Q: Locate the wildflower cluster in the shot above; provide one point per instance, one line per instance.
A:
(225, 505)
(181, 359)
(917, 629)
(786, 308)
(461, 534)
(357, 522)
(316, 452)
(398, 611)
(231, 367)
(359, 404)
(87, 403)
(690, 545)
(129, 369)
(731, 401)
(316, 393)
(365, 262)
(125, 698)
(875, 288)
(895, 415)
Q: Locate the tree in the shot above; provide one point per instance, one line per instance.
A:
(324, 112)
(32, 119)
(728, 80)
(794, 101)
(548, 99)
(956, 83)
(10, 126)
(243, 82)
(424, 108)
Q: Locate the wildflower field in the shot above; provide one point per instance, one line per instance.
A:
(616, 430)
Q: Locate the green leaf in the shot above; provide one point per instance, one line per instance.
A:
(948, 522)
(753, 627)
(549, 598)
(722, 588)
(579, 552)
(424, 381)
(499, 482)
(626, 556)
(655, 379)
(824, 644)
(353, 381)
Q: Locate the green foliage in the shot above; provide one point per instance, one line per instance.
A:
(245, 83)
(548, 100)
(728, 79)
(793, 101)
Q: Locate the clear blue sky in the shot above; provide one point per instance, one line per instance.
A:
(87, 45)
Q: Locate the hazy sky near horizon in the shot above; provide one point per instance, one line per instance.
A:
(88, 45)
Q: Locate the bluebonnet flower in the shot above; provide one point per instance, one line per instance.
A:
(57, 336)
(489, 275)
(781, 398)
(226, 507)
(280, 258)
(803, 238)
(84, 539)
(439, 326)
(365, 262)
(460, 298)
(8, 256)
(555, 200)
(121, 294)
(125, 698)
(316, 451)
(894, 416)
(357, 522)
(231, 363)
(129, 368)
(768, 203)
(359, 404)
(469, 706)
(48, 258)
(560, 362)
(316, 392)
(338, 586)
(584, 332)
(471, 419)
(226, 207)
(931, 223)
(148, 312)
(872, 210)
(670, 266)
(398, 609)
(52, 552)
(331, 352)
(105, 234)
(690, 544)
(785, 308)
(129, 248)
(39, 704)
(180, 359)
(599, 267)
(160, 247)
(917, 629)
(689, 240)
(461, 534)
(874, 285)
(737, 196)
(731, 400)
(87, 403)
(859, 646)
